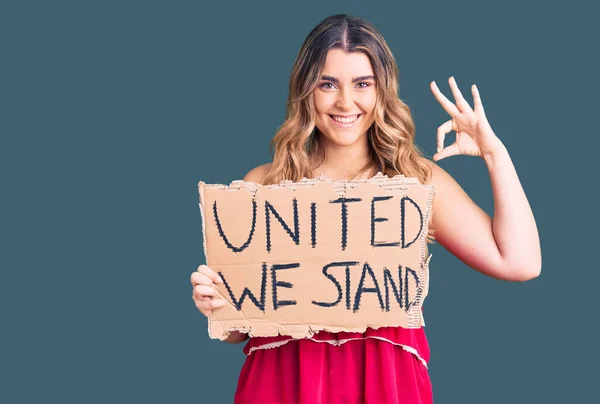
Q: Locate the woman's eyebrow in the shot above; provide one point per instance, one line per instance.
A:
(354, 80)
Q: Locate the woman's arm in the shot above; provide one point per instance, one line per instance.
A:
(506, 247)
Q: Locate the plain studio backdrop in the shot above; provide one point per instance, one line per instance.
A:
(112, 111)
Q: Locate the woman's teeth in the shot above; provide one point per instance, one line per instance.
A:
(345, 120)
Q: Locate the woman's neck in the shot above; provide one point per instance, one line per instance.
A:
(342, 162)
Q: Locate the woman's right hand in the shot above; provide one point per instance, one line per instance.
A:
(204, 291)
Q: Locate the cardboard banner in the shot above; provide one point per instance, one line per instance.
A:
(300, 257)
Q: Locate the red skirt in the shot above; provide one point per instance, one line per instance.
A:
(387, 365)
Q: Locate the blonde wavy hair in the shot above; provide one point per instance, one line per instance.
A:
(392, 148)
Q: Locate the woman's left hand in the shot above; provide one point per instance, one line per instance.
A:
(474, 136)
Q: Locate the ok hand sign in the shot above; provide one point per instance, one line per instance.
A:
(474, 136)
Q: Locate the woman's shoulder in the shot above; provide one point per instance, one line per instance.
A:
(258, 174)
(438, 176)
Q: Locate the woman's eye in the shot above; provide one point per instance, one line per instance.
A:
(362, 84)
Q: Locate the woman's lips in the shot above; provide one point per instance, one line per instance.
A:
(345, 125)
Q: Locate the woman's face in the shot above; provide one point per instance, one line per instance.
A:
(345, 97)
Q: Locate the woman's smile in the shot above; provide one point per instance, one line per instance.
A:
(345, 121)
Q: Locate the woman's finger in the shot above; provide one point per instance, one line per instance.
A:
(477, 100)
(451, 150)
(200, 291)
(206, 306)
(445, 102)
(462, 104)
(203, 269)
(200, 279)
(444, 128)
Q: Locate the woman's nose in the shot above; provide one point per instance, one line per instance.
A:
(344, 100)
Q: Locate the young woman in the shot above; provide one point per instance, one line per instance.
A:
(345, 120)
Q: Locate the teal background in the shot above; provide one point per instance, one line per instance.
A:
(112, 111)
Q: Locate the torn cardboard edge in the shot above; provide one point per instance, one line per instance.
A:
(221, 328)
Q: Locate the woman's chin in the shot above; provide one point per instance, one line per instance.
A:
(344, 139)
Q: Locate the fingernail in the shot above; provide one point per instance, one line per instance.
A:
(219, 279)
